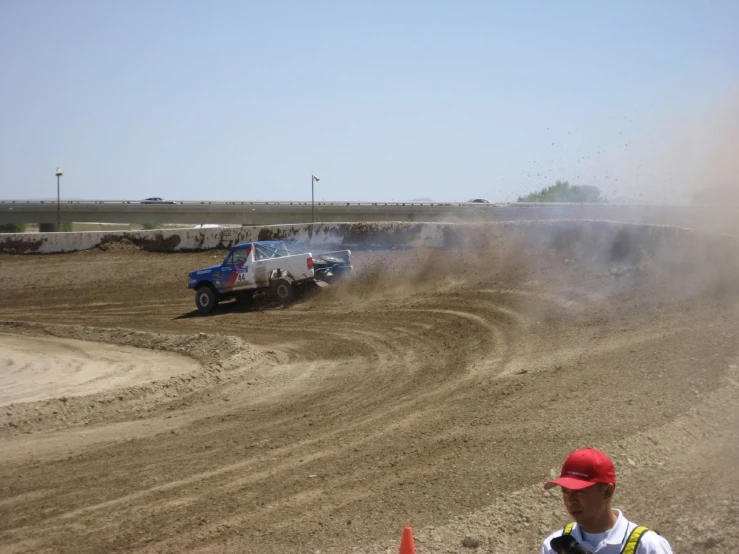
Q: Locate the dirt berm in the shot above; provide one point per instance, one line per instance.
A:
(438, 389)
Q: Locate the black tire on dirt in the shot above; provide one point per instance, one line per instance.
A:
(283, 290)
(206, 299)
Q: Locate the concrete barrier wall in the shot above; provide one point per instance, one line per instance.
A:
(355, 236)
(329, 235)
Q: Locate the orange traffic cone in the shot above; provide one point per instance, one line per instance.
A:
(406, 544)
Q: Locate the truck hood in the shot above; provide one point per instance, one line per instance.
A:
(204, 270)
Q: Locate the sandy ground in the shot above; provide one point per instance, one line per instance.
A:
(439, 390)
(38, 368)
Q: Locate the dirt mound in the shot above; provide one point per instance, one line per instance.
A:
(43, 368)
(119, 246)
(220, 358)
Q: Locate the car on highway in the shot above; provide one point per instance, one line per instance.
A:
(478, 201)
(156, 200)
(269, 267)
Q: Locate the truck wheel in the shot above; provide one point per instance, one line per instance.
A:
(206, 299)
(284, 290)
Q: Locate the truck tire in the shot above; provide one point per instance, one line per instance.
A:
(283, 290)
(206, 299)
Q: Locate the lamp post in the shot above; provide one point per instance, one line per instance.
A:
(58, 205)
(313, 180)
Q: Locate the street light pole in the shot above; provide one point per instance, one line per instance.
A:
(58, 201)
(313, 180)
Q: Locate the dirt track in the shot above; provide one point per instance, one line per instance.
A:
(438, 390)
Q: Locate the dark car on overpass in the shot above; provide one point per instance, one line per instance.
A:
(156, 200)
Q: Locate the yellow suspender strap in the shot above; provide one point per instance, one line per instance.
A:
(633, 541)
(568, 528)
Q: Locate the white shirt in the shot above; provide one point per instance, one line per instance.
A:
(615, 539)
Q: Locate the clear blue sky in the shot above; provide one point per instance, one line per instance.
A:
(382, 100)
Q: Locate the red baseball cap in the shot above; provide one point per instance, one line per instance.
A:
(584, 468)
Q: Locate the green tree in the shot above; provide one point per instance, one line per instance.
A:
(562, 191)
(12, 227)
(150, 226)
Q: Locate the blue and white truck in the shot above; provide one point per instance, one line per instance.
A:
(272, 267)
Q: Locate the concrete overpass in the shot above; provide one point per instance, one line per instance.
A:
(714, 218)
(204, 211)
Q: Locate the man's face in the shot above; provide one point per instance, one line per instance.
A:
(587, 505)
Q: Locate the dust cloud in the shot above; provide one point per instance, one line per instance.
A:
(716, 145)
(687, 157)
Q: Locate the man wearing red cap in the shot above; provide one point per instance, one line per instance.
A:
(588, 480)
